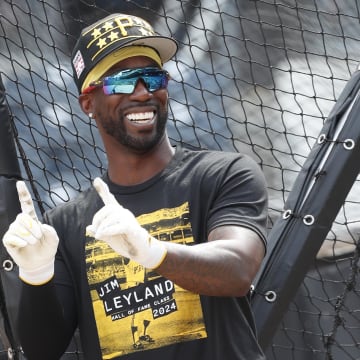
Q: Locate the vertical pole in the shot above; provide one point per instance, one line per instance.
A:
(9, 208)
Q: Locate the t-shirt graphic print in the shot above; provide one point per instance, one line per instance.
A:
(135, 308)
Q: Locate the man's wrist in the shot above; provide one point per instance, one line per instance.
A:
(155, 255)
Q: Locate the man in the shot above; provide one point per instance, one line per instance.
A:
(167, 237)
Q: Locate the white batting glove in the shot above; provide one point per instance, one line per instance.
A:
(31, 244)
(119, 228)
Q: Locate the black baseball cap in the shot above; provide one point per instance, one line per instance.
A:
(98, 47)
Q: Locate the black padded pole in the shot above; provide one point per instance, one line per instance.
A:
(9, 208)
(313, 204)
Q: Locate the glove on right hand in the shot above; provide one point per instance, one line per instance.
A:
(31, 244)
(119, 228)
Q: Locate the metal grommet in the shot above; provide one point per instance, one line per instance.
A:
(8, 265)
(308, 220)
(321, 138)
(252, 289)
(10, 353)
(349, 144)
(270, 296)
(286, 214)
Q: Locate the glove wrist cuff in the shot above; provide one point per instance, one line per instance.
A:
(38, 276)
(156, 254)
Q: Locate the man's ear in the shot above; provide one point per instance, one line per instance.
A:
(86, 105)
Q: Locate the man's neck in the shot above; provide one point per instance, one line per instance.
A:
(132, 169)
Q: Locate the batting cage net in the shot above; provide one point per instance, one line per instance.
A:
(257, 77)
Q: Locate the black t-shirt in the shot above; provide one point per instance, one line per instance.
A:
(127, 312)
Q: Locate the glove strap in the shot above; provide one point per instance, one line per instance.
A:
(39, 276)
(156, 254)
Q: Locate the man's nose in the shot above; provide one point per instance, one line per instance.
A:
(141, 90)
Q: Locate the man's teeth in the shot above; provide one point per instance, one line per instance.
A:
(141, 116)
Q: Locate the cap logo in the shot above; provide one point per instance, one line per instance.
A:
(78, 63)
(112, 30)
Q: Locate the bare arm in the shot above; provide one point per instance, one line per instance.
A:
(224, 266)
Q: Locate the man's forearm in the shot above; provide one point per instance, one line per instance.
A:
(42, 330)
(216, 268)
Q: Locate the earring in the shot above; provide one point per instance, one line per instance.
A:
(90, 115)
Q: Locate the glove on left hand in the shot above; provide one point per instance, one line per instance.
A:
(119, 228)
(31, 244)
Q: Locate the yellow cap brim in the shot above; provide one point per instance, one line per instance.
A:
(112, 59)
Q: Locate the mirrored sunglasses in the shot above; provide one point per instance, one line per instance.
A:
(124, 82)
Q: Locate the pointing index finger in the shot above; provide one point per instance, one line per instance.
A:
(26, 203)
(103, 190)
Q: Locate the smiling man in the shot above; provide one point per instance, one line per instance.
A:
(156, 259)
